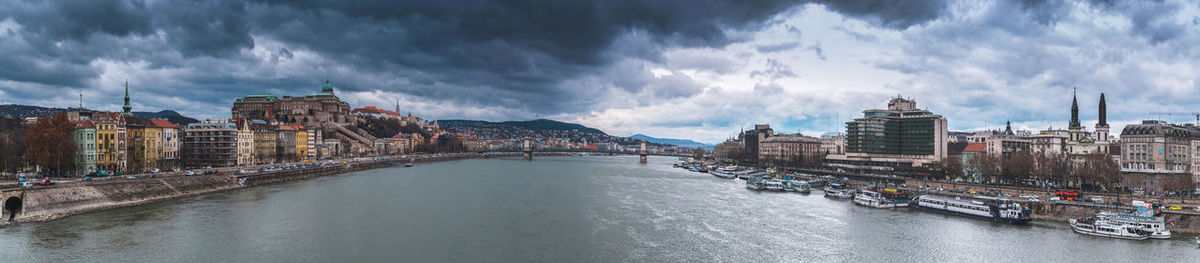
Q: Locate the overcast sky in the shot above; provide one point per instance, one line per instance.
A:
(697, 69)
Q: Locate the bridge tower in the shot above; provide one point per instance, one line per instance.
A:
(527, 149)
(642, 153)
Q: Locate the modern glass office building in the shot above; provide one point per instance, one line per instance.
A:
(897, 138)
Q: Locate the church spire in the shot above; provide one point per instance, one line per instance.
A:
(1074, 112)
(127, 107)
(1103, 115)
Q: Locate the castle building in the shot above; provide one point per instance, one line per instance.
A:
(311, 110)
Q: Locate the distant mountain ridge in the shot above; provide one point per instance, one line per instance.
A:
(537, 125)
(678, 142)
(16, 110)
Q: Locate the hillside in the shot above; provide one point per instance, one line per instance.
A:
(536, 125)
(15, 110)
(677, 142)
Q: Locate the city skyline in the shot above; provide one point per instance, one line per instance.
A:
(703, 74)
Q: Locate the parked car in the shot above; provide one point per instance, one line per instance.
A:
(26, 185)
(85, 179)
(1096, 199)
(46, 182)
(189, 173)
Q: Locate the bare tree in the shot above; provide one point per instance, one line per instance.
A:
(1018, 167)
(50, 144)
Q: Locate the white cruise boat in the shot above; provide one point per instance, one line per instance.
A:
(1155, 224)
(1104, 228)
(773, 185)
(873, 199)
(797, 186)
(751, 174)
(837, 191)
(755, 184)
(982, 207)
(722, 173)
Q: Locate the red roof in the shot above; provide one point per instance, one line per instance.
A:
(375, 110)
(975, 147)
(84, 124)
(161, 123)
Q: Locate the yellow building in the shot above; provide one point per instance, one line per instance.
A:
(264, 142)
(110, 142)
(301, 144)
(144, 144)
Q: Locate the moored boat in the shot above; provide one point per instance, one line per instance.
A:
(981, 207)
(755, 184)
(752, 174)
(1156, 225)
(872, 199)
(773, 185)
(723, 173)
(799, 186)
(1104, 228)
(899, 198)
(837, 191)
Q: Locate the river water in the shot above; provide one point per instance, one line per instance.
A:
(554, 209)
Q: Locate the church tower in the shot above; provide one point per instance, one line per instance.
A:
(126, 108)
(1102, 127)
(1075, 129)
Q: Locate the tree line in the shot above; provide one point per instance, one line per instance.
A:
(1093, 172)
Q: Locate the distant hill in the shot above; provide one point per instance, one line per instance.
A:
(170, 115)
(537, 125)
(678, 142)
(15, 110)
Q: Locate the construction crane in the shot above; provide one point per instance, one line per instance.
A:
(1196, 114)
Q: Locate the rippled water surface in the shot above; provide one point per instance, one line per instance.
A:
(556, 209)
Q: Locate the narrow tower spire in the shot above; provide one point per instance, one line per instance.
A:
(1074, 111)
(127, 107)
(1103, 115)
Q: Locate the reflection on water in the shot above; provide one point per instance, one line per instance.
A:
(561, 209)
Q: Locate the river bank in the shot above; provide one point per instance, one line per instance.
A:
(42, 204)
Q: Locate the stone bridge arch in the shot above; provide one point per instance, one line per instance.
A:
(13, 203)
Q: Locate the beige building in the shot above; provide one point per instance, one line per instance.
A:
(789, 150)
(728, 150)
(245, 143)
(1155, 154)
(1050, 142)
(833, 145)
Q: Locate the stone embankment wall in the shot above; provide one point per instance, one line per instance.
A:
(45, 204)
(50, 203)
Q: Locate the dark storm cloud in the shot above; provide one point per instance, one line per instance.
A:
(890, 14)
(514, 53)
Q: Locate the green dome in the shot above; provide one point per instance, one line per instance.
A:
(327, 88)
